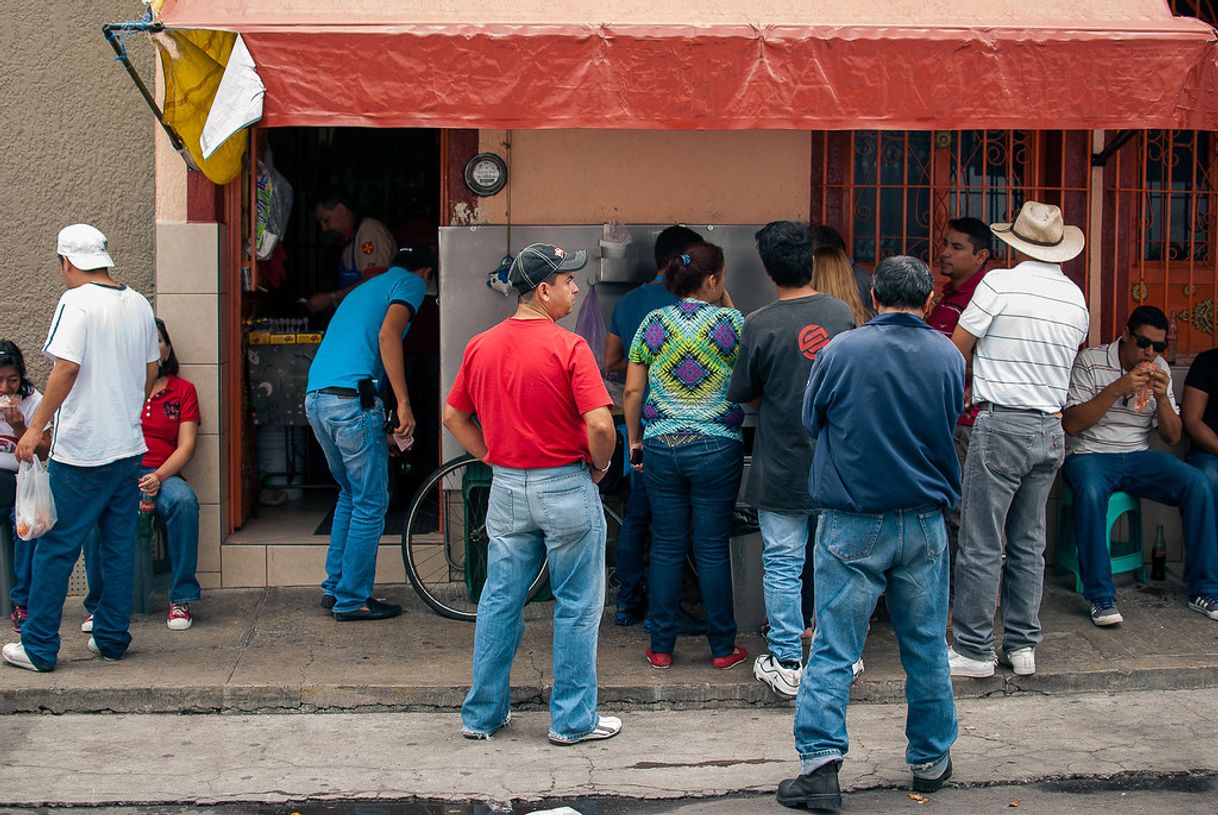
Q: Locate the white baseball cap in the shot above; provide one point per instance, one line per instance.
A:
(85, 247)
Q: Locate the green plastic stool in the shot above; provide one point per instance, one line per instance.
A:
(1125, 555)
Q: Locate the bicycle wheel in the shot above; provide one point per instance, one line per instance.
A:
(445, 539)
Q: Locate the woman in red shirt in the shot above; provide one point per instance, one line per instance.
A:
(170, 419)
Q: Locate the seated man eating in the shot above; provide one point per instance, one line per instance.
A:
(1118, 393)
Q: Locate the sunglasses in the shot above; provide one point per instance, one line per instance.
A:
(1146, 342)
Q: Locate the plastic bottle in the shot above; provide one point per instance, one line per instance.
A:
(147, 513)
(1158, 556)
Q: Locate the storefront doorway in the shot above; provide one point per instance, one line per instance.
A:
(282, 492)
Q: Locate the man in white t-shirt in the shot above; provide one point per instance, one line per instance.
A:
(103, 341)
(1022, 330)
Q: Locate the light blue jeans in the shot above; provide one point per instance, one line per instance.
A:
(785, 537)
(537, 515)
(859, 557)
(106, 497)
(178, 506)
(1012, 461)
(355, 447)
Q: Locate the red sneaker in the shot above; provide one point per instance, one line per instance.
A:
(18, 616)
(660, 662)
(179, 616)
(733, 659)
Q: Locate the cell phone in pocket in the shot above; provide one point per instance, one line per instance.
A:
(636, 455)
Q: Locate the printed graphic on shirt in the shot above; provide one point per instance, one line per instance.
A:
(811, 339)
(689, 349)
(368, 247)
(172, 409)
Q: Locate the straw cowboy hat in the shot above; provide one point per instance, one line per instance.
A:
(1039, 233)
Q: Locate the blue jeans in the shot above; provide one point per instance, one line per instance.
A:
(178, 506)
(1013, 459)
(106, 497)
(692, 485)
(785, 542)
(1158, 476)
(354, 443)
(550, 514)
(858, 557)
(631, 544)
(23, 562)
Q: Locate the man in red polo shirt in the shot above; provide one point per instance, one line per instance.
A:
(962, 259)
(543, 424)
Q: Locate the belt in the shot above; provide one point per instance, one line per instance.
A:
(993, 408)
(346, 393)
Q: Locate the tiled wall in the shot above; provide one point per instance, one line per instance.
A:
(188, 286)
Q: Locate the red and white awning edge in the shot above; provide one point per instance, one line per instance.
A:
(1146, 73)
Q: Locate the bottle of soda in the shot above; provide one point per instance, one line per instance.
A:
(1173, 335)
(147, 513)
(1158, 556)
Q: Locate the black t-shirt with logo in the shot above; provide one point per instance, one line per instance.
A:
(779, 343)
(1203, 375)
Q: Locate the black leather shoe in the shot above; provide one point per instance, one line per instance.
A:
(375, 610)
(817, 790)
(384, 605)
(327, 601)
(933, 784)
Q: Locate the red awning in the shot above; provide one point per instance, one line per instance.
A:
(834, 64)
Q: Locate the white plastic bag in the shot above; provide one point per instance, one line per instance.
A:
(35, 504)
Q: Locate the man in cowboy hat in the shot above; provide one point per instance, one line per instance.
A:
(1022, 329)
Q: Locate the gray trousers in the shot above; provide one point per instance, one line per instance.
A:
(1012, 461)
(951, 516)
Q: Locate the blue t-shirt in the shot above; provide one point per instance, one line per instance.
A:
(350, 351)
(882, 403)
(629, 312)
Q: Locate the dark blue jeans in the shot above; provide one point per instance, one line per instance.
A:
(106, 497)
(694, 486)
(178, 507)
(1158, 476)
(631, 545)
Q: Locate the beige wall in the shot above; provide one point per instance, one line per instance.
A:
(590, 176)
(77, 148)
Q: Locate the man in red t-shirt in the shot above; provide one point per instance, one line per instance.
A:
(543, 424)
(962, 259)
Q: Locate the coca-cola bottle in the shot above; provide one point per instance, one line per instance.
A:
(1158, 556)
(147, 513)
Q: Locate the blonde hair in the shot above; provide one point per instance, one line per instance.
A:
(832, 274)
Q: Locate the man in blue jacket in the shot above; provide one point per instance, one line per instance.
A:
(883, 398)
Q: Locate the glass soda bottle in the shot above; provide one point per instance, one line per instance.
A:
(147, 513)
(1158, 556)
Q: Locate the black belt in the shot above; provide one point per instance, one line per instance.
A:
(346, 393)
(990, 406)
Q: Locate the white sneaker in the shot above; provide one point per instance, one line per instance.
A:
(14, 654)
(606, 728)
(87, 625)
(782, 680)
(1022, 661)
(857, 669)
(964, 666)
(93, 647)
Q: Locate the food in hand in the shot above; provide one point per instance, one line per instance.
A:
(1142, 398)
(10, 400)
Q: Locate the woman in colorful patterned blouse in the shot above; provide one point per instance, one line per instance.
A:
(692, 446)
(170, 421)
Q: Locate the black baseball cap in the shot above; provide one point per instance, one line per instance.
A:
(538, 261)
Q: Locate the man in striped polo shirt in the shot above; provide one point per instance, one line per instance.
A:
(1022, 329)
(1118, 393)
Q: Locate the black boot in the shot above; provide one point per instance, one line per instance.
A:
(817, 790)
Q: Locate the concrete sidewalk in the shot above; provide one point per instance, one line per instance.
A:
(276, 650)
(664, 754)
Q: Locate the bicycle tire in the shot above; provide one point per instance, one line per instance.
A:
(447, 519)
